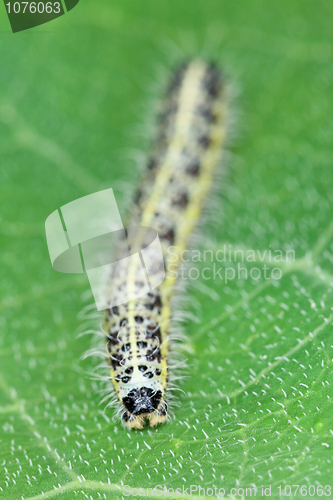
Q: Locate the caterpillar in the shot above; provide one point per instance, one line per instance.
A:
(180, 171)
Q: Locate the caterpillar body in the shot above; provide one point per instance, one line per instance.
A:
(179, 175)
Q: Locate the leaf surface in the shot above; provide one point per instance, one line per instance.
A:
(257, 403)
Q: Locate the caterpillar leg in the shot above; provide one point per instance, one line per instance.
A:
(139, 421)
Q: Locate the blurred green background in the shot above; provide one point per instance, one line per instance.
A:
(258, 402)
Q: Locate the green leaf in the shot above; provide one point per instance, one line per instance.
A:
(257, 403)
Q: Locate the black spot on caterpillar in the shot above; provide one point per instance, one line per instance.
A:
(179, 175)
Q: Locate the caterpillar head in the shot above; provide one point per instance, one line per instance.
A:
(142, 404)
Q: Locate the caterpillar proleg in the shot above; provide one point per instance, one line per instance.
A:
(179, 175)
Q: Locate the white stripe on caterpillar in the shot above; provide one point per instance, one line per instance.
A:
(179, 175)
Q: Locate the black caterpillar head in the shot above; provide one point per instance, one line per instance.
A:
(144, 404)
(142, 400)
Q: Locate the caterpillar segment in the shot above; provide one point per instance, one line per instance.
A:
(179, 174)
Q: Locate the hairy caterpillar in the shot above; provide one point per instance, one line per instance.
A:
(179, 175)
